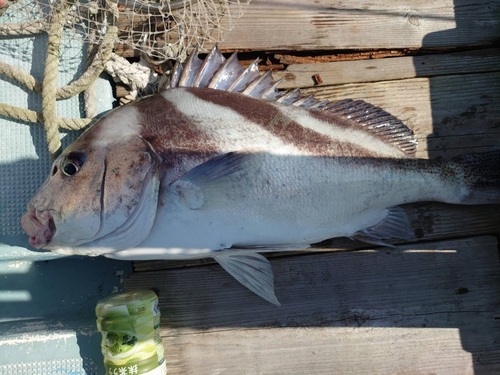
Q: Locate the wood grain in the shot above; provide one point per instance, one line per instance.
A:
(389, 69)
(421, 308)
(359, 24)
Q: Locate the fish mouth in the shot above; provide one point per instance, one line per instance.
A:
(39, 225)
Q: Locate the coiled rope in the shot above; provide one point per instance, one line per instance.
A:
(48, 87)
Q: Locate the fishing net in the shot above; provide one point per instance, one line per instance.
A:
(161, 30)
(158, 31)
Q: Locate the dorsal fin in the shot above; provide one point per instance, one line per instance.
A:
(228, 75)
(190, 71)
(376, 121)
(218, 73)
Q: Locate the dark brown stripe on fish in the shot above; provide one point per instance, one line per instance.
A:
(173, 136)
(279, 125)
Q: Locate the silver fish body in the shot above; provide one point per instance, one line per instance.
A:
(273, 200)
(195, 172)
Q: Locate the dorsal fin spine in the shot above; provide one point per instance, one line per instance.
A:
(209, 68)
(259, 85)
(272, 92)
(227, 73)
(245, 78)
(175, 75)
(190, 70)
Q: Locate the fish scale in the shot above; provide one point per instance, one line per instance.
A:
(222, 164)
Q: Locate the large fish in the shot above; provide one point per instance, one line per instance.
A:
(223, 165)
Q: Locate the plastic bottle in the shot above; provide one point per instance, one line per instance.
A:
(131, 342)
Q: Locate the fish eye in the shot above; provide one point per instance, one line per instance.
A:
(72, 163)
(70, 168)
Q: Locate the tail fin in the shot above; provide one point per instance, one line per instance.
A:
(480, 173)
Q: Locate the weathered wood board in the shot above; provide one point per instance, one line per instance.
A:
(358, 24)
(423, 308)
(389, 69)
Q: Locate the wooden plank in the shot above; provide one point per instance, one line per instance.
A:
(336, 73)
(360, 24)
(365, 312)
(451, 115)
(430, 221)
(328, 351)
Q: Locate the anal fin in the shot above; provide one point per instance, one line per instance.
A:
(394, 225)
(251, 269)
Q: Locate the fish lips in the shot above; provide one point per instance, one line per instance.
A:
(39, 226)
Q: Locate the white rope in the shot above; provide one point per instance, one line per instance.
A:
(135, 75)
(132, 74)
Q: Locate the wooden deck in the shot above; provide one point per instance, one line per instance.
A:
(430, 306)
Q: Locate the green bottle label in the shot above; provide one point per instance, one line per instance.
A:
(130, 328)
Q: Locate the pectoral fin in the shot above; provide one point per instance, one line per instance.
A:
(394, 225)
(252, 270)
(217, 182)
